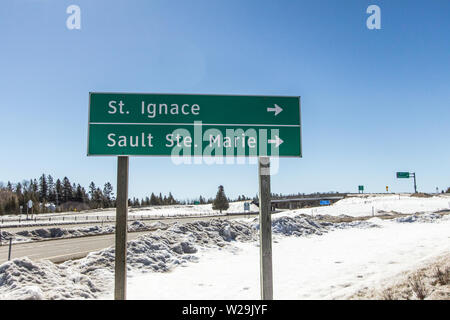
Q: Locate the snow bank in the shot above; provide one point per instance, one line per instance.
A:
(25, 279)
(5, 236)
(58, 232)
(427, 217)
(160, 251)
(363, 205)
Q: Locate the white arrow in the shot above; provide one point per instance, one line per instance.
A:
(277, 109)
(277, 141)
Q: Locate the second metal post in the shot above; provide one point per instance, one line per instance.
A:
(120, 274)
(265, 229)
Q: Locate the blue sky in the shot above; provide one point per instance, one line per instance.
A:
(373, 101)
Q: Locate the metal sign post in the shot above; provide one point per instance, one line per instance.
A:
(407, 175)
(265, 229)
(120, 268)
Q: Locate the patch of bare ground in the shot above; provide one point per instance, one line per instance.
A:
(429, 282)
(421, 195)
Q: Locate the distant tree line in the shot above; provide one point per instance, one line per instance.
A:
(46, 193)
(49, 195)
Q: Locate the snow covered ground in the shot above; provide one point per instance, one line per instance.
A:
(360, 206)
(219, 259)
(330, 266)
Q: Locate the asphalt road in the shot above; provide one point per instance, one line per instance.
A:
(62, 249)
(59, 250)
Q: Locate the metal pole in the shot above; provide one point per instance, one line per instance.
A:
(121, 229)
(9, 252)
(415, 186)
(265, 229)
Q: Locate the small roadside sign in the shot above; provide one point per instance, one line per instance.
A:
(404, 175)
(30, 204)
(324, 202)
(407, 175)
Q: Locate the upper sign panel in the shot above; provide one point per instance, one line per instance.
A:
(183, 108)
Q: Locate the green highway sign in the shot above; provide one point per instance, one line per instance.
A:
(402, 174)
(193, 125)
(361, 188)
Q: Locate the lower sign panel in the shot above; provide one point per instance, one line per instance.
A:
(193, 140)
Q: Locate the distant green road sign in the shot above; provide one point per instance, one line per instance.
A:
(197, 125)
(360, 188)
(402, 174)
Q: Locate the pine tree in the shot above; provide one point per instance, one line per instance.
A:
(221, 201)
(67, 192)
(98, 198)
(19, 193)
(34, 190)
(85, 196)
(58, 192)
(79, 194)
(43, 189)
(51, 188)
(170, 199)
(108, 194)
(153, 200)
(92, 189)
(74, 192)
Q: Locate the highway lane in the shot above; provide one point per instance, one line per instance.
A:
(62, 249)
(59, 250)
